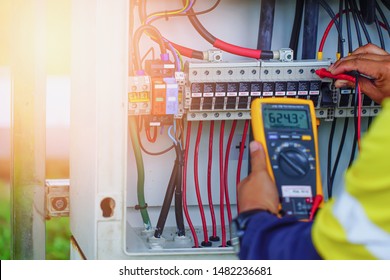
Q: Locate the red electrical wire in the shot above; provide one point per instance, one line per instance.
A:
(253, 53)
(221, 184)
(185, 206)
(226, 170)
(329, 27)
(326, 32)
(196, 179)
(187, 52)
(209, 189)
(240, 156)
(151, 139)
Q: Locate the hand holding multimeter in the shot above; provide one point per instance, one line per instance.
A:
(287, 130)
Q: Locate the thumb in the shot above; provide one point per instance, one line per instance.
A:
(258, 161)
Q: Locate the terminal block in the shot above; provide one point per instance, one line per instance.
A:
(225, 90)
(139, 95)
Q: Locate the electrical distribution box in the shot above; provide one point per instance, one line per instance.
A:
(154, 152)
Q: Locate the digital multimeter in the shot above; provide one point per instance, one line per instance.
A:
(287, 129)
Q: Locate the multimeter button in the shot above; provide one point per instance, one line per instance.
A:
(284, 136)
(306, 137)
(273, 136)
(296, 137)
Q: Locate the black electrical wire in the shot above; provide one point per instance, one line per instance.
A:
(369, 121)
(386, 3)
(166, 204)
(353, 150)
(348, 24)
(179, 192)
(260, 54)
(332, 15)
(384, 19)
(330, 148)
(188, 13)
(380, 33)
(174, 188)
(338, 24)
(354, 7)
(151, 50)
(338, 156)
(200, 28)
(296, 30)
(341, 42)
(355, 114)
(136, 38)
(266, 25)
(148, 152)
(310, 29)
(357, 28)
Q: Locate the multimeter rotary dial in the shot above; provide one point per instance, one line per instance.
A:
(293, 160)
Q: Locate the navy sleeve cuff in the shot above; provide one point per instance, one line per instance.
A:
(273, 238)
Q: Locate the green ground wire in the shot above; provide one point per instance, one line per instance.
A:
(141, 172)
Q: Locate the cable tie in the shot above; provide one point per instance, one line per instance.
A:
(139, 207)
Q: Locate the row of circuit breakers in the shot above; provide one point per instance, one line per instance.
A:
(224, 90)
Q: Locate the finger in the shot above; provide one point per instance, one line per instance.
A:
(369, 56)
(367, 87)
(361, 56)
(373, 57)
(258, 162)
(370, 48)
(344, 83)
(364, 66)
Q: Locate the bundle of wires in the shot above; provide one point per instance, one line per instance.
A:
(185, 206)
(174, 188)
(214, 236)
(222, 185)
(323, 73)
(205, 242)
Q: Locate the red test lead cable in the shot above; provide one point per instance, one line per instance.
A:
(323, 73)
(316, 205)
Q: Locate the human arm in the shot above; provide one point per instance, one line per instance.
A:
(268, 236)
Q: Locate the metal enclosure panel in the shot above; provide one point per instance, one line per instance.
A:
(98, 122)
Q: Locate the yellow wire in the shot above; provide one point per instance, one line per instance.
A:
(169, 13)
(180, 57)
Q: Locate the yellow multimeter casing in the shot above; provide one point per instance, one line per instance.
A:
(287, 129)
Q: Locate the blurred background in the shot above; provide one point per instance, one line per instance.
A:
(57, 116)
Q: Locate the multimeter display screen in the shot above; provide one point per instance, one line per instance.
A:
(285, 118)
